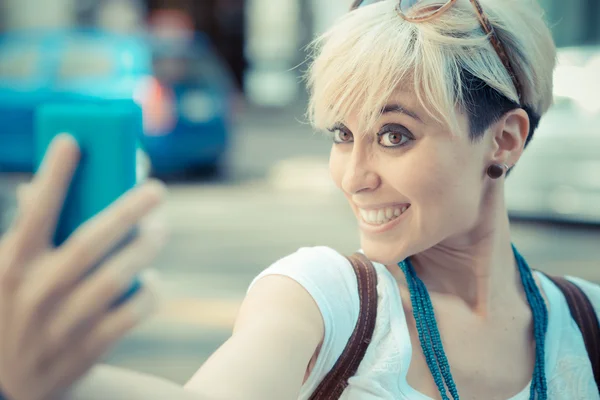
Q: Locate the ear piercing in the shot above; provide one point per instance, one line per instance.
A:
(495, 171)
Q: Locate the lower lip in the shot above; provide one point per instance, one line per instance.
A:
(370, 228)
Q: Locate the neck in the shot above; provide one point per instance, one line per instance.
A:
(477, 267)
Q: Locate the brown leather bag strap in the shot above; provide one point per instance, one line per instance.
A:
(355, 4)
(585, 316)
(336, 380)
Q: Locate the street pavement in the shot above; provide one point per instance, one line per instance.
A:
(275, 198)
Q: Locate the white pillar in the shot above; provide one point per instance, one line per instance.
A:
(35, 14)
(325, 12)
(272, 47)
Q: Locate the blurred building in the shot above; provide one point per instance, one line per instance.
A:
(262, 40)
(223, 20)
(31, 14)
(573, 22)
(128, 16)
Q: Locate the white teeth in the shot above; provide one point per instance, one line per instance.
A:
(364, 214)
(372, 216)
(389, 213)
(381, 216)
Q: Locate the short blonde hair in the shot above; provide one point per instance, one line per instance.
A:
(371, 52)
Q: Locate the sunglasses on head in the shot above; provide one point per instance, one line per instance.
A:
(425, 10)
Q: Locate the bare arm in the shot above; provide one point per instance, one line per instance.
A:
(276, 334)
(278, 329)
(108, 382)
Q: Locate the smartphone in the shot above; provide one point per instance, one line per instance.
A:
(107, 134)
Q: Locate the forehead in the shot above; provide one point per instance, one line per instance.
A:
(405, 108)
(402, 102)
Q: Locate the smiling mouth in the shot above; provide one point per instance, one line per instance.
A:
(382, 216)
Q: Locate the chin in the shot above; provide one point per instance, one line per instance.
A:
(386, 253)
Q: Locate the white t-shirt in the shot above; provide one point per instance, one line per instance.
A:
(330, 280)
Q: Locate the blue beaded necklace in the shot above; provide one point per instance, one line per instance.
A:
(431, 343)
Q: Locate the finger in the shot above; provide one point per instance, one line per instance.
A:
(74, 302)
(91, 242)
(10, 281)
(130, 313)
(23, 194)
(79, 356)
(94, 296)
(10, 278)
(47, 192)
(55, 278)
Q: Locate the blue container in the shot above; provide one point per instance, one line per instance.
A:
(107, 134)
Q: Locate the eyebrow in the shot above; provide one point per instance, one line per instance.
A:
(397, 108)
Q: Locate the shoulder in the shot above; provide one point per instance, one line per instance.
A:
(319, 257)
(328, 278)
(322, 271)
(592, 291)
(306, 293)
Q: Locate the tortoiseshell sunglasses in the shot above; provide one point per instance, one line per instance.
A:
(425, 10)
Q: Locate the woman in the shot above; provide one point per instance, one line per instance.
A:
(427, 114)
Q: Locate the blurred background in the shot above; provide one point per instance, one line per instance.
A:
(219, 85)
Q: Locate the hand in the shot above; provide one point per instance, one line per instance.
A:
(54, 325)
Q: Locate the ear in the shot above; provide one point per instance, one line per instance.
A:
(509, 136)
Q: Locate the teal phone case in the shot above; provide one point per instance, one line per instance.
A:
(107, 135)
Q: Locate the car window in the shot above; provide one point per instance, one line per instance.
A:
(210, 67)
(194, 67)
(18, 62)
(86, 59)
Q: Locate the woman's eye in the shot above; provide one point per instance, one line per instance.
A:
(393, 139)
(341, 136)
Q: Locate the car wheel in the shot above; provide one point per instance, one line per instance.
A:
(214, 170)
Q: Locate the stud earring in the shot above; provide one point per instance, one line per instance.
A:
(495, 171)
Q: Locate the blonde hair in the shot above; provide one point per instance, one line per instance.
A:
(371, 52)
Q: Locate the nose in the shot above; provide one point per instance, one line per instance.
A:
(359, 176)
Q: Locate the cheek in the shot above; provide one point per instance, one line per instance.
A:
(425, 176)
(444, 188)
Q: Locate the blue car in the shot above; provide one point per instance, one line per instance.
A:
(189, 121)
(183, 89)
